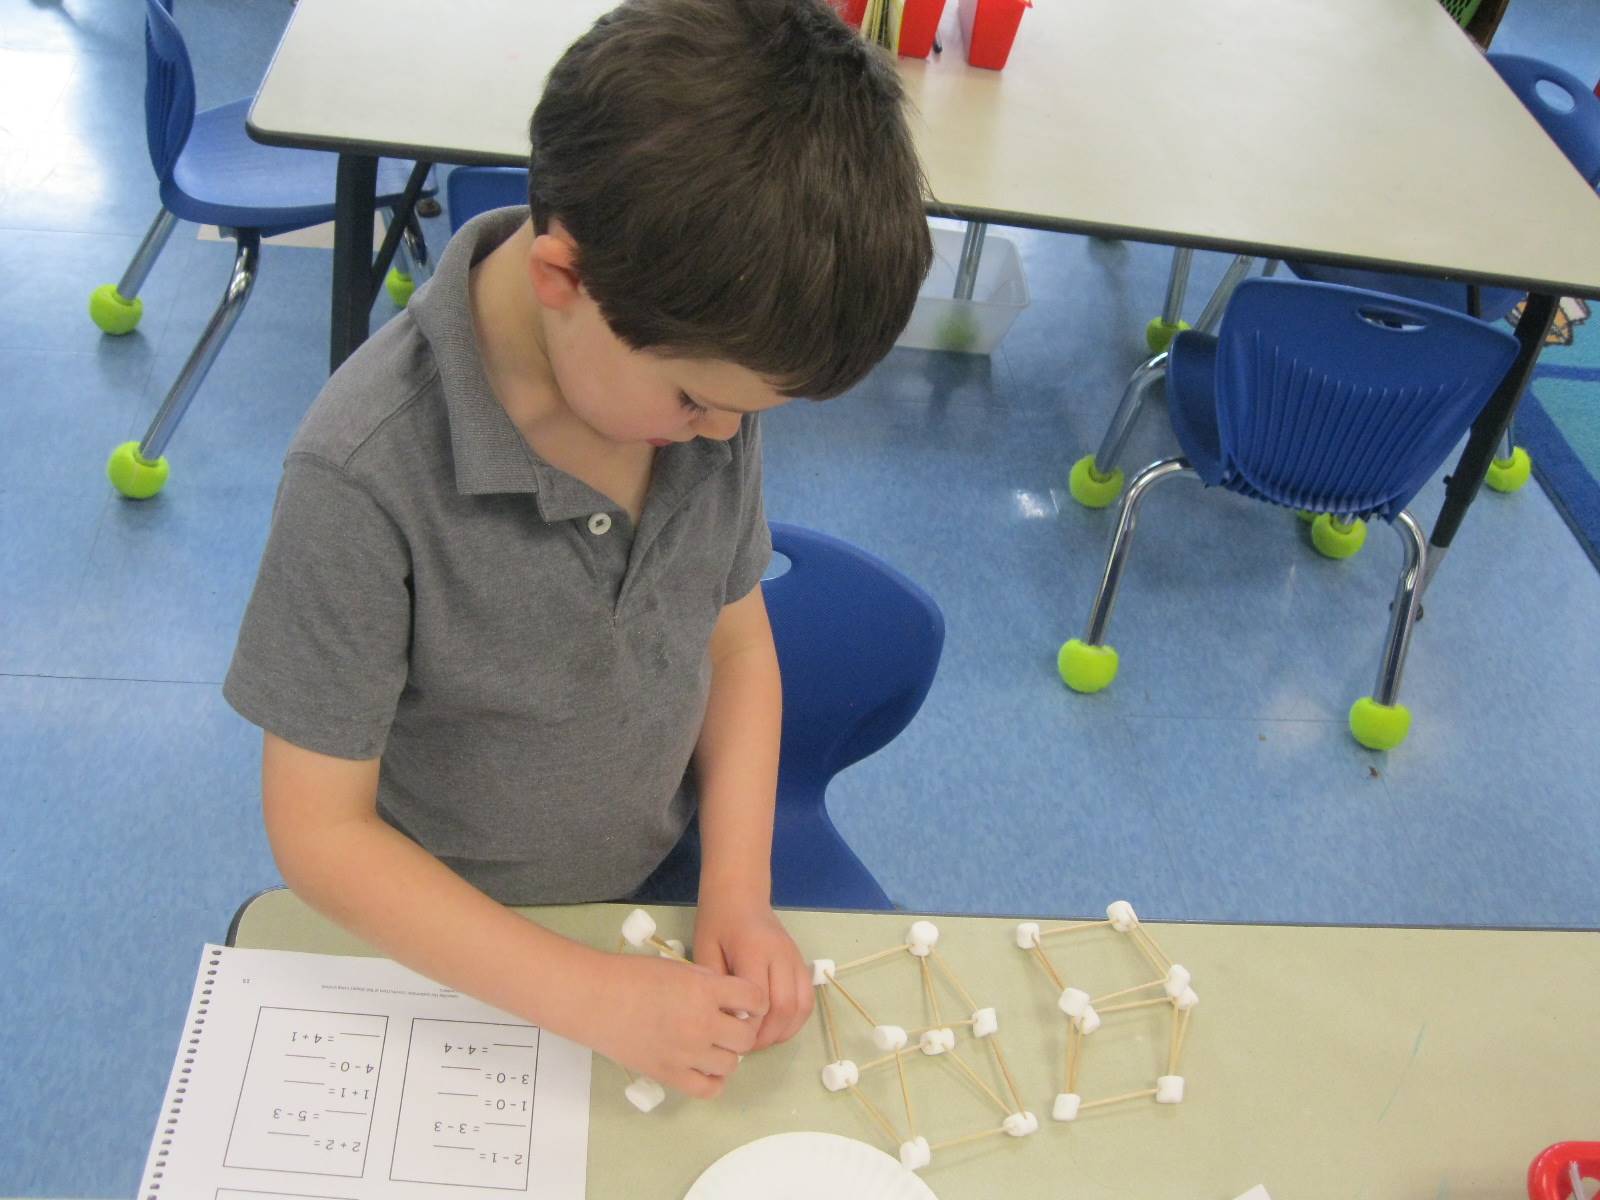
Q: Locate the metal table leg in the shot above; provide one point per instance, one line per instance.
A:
(353, 289)
(1489, 430)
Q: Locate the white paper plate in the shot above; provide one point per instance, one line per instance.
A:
(808, 1166)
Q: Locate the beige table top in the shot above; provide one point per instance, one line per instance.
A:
(1358, 131)
(1322, 1062)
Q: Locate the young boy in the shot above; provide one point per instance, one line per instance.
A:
(508, 634)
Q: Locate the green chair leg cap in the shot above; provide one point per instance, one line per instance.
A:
(1509, 474)
(1091, 489)
(111, 312)
(1086, 668)
(399, 285)
(1158, 334)
(133, 476)
(1305, 515)
(1379, 726)
(1336, 540)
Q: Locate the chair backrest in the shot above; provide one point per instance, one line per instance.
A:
(474, 190)
(168, 88)
(1569, 111)
(858, 644)
(1334, 399)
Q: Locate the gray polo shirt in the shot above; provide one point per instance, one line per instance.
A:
(532, 669)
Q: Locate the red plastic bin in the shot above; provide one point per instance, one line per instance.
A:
(1547, 1174)
(918, 24)
(989, 27)
(851, 10)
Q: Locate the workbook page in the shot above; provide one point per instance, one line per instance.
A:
(322, 1077)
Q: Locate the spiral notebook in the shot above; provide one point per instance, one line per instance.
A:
(321, 1077)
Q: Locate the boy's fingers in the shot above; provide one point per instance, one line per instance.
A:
(735, 1035)
(699, 1086)
(735, 995)
(716, 1062)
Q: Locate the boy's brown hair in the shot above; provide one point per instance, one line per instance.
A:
(740, 183)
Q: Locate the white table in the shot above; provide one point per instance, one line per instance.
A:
(1356, 132)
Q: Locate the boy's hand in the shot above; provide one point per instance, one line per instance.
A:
(675, 1022)
(745, 939)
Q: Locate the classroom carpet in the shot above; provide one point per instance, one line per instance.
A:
(1559, 420)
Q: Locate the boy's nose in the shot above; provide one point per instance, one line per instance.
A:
(719, 425)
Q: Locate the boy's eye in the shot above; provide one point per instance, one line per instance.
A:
(690, 405)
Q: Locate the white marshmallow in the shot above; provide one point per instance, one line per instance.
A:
(638, 928)
(923, 937)
(984, 1022)
(1088, 1022)
(1028, 935)
(676, 947)
(645, 1093)
(1122, 916)
(1187, 1000)
(1073, 1001)
(821, 971)
(1177, 980)
(837, 1076)
(915, 1154)
(888, 1037)
(1066, 1106)
(1169, 1089)
(1020, 1124)
(937, 1041)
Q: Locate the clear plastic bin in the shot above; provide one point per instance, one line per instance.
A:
(941, 322)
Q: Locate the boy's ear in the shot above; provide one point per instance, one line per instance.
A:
(553, 267)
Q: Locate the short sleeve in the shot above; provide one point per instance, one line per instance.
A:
(754, 550)
(322, 653)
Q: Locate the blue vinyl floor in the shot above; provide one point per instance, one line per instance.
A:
(1216, 780)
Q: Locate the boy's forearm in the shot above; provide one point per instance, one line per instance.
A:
(379, 884)
(736, 770)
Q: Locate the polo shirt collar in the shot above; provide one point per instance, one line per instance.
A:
(489, 453)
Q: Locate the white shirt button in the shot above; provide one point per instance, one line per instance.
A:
(600, 523)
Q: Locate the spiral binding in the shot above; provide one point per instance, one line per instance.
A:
(191, 1045)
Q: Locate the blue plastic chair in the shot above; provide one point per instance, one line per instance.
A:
(212, 173)
(858, 644)
(470, 191)
(1320, 398)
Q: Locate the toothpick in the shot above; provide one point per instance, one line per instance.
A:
(1157, 956)
(1177, 1051)
(1076, 1040)
(871, 958)
(994, 1040)
(666, 949)
(1134, 1004)
(1118, 1099)
(976, 1079)
(971, 1137)
(1127, 991)
(933, 999)
(878, 1062)
(1172, 1044)
(1044, 962)
(945, 1025)
(945, 970)
(854, 1003)
(872, 1108)
(905, 1092)
(828, 1022)
(1073, 928)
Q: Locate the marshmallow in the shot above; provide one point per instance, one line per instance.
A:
(984, 1022)
(821, 971)
(1066, 1106)
(638, 928)
(1177, 980)
(1088, 1022)
(1020, 1124)
(676, 947)
(1187, 1000)
(1169, 1089)
(1122, 916)
(922, 938)
(1073, 1001)
(645, 1093)
(837, 1076)
(1027, 935)
(915, 1154)
(888, 1037)
(937, 1041)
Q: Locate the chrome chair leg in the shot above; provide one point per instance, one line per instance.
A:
(1148, 374)
(1403, 613)
(1211, 316)
(1106, 597)
(411, 254)
(1510, 443)
(240, 283)
(1271, 269)
(144, 258)
(1177, 284)
(971, 255)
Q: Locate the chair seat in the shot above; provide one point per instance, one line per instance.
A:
(224, 178)
(1493, 303)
